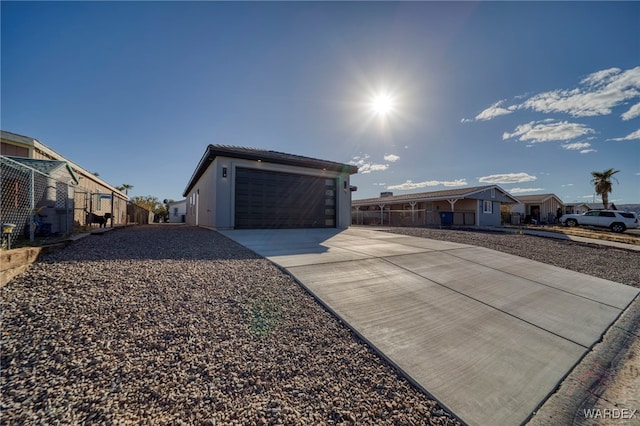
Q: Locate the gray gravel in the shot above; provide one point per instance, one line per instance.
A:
(601, 261)
(179, 325)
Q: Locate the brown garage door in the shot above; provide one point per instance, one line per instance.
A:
(266, 199)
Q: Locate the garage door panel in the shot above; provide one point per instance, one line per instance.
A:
(266, 199)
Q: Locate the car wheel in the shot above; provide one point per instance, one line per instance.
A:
(618, 227)
(571, 222)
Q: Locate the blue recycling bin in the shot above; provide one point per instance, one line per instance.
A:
(446, 218)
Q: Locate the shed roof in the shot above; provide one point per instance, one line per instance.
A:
(432, 196)
(260, 154)
(46, 167)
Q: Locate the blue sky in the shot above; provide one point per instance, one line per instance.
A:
(530, 96)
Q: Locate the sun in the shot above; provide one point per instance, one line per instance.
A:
(382, 104)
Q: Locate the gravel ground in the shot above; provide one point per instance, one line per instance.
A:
(601, 261)
(179, 325)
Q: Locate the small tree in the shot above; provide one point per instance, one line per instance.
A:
(151, 203)
(603, 185)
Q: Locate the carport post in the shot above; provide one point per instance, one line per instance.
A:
(381, 213)
(413, 211)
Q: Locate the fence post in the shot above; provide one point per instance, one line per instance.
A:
(68, 220)
(32, 207)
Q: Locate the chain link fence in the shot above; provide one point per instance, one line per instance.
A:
(45, 203)
(33, 203)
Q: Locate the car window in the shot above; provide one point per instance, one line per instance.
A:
(628, 215)
(607, 214)
(592, 213)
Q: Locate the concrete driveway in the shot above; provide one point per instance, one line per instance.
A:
(490, 335)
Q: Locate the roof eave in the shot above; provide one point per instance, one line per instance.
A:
(214, 151)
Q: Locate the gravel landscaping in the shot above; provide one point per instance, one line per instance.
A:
(179, 325)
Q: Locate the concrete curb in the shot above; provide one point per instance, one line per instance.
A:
(582, 389)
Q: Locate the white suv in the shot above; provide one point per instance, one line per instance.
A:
(615, 220)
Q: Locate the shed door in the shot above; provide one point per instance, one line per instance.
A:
(265, 199)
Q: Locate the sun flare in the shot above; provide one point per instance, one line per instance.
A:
(382, 104)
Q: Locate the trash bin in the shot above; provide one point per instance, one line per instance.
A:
(446, 218)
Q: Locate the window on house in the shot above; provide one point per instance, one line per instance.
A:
(175, 211)
(493, 193)
(487, 206)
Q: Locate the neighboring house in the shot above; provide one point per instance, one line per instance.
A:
(579, 208)
(244, 188)
(539, 208)
(92, 194)
(475, 206)
(53, 183)
(177, 211)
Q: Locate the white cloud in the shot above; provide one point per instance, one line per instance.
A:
(598, 94)
(365, 166)
(391, 158)
(523, 190)
(409, 184)
(368, 168)
(547, 131)
(493, 111)
(567, 184)
(576, 146)
(507, 178)
(630, 137)
(587, 151)
(633, 112)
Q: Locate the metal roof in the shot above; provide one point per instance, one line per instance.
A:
(433, 195)
(46, 167)
(537, 198)
(259, 154)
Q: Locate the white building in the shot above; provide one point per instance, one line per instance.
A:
(177, 211)
(244, 188)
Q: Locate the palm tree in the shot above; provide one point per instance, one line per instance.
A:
(602, 183)
(126, 188)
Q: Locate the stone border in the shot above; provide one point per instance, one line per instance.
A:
(16, 261)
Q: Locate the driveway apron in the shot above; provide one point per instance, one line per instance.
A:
(490, 335)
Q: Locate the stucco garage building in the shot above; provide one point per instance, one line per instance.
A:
(249, 188)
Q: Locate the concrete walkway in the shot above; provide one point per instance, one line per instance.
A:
(490, 335)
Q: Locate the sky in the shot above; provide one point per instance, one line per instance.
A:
(531, 96)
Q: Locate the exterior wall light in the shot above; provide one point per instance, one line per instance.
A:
(224, 172)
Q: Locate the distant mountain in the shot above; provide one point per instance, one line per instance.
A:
(629, 207)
